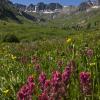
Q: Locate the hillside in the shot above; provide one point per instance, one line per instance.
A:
(80, 18)
(8, 11)
(36, 26)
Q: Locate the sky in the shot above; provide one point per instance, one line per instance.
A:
(63, 2)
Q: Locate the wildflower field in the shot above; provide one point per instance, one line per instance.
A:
(57, 69)
(56, 59)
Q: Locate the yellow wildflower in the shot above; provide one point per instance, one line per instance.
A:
(13, 57)
(5, 91)
(68, 40)
(92, 64)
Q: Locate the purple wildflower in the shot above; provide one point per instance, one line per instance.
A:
(66, 75)
(26, 90)
(56, 77)
(30, 79)
(43, 96)
(42, 79)
(85, 82)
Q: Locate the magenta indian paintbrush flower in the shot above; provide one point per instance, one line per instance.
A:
(30, 79)
(26, 91)
(56, 77)
(42, 79)
(43, 96)
(56, 87)
(47, 86)
(85, 83)
(47, 83)
(66, 75)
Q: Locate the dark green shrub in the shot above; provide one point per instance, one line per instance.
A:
(10, 38)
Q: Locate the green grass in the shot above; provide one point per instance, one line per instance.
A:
(56, 28)
(30, 31)
(13, 73)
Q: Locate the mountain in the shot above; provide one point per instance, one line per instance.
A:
(85, 5)
(20, 6)
(8, 10)
(53, 6)
(31, 7)
(56, 7)
(39, 7)
(17, 12)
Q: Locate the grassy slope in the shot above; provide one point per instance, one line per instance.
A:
(29, 30)
(32, 31)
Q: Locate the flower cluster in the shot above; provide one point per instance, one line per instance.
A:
(85, 83)
(42, 79)
(43, 96)
(66, 75)
(26, 91)
(56, 87)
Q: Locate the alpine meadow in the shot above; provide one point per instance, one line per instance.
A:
(49, 51)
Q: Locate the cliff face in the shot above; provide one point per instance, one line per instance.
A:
(40, 6)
